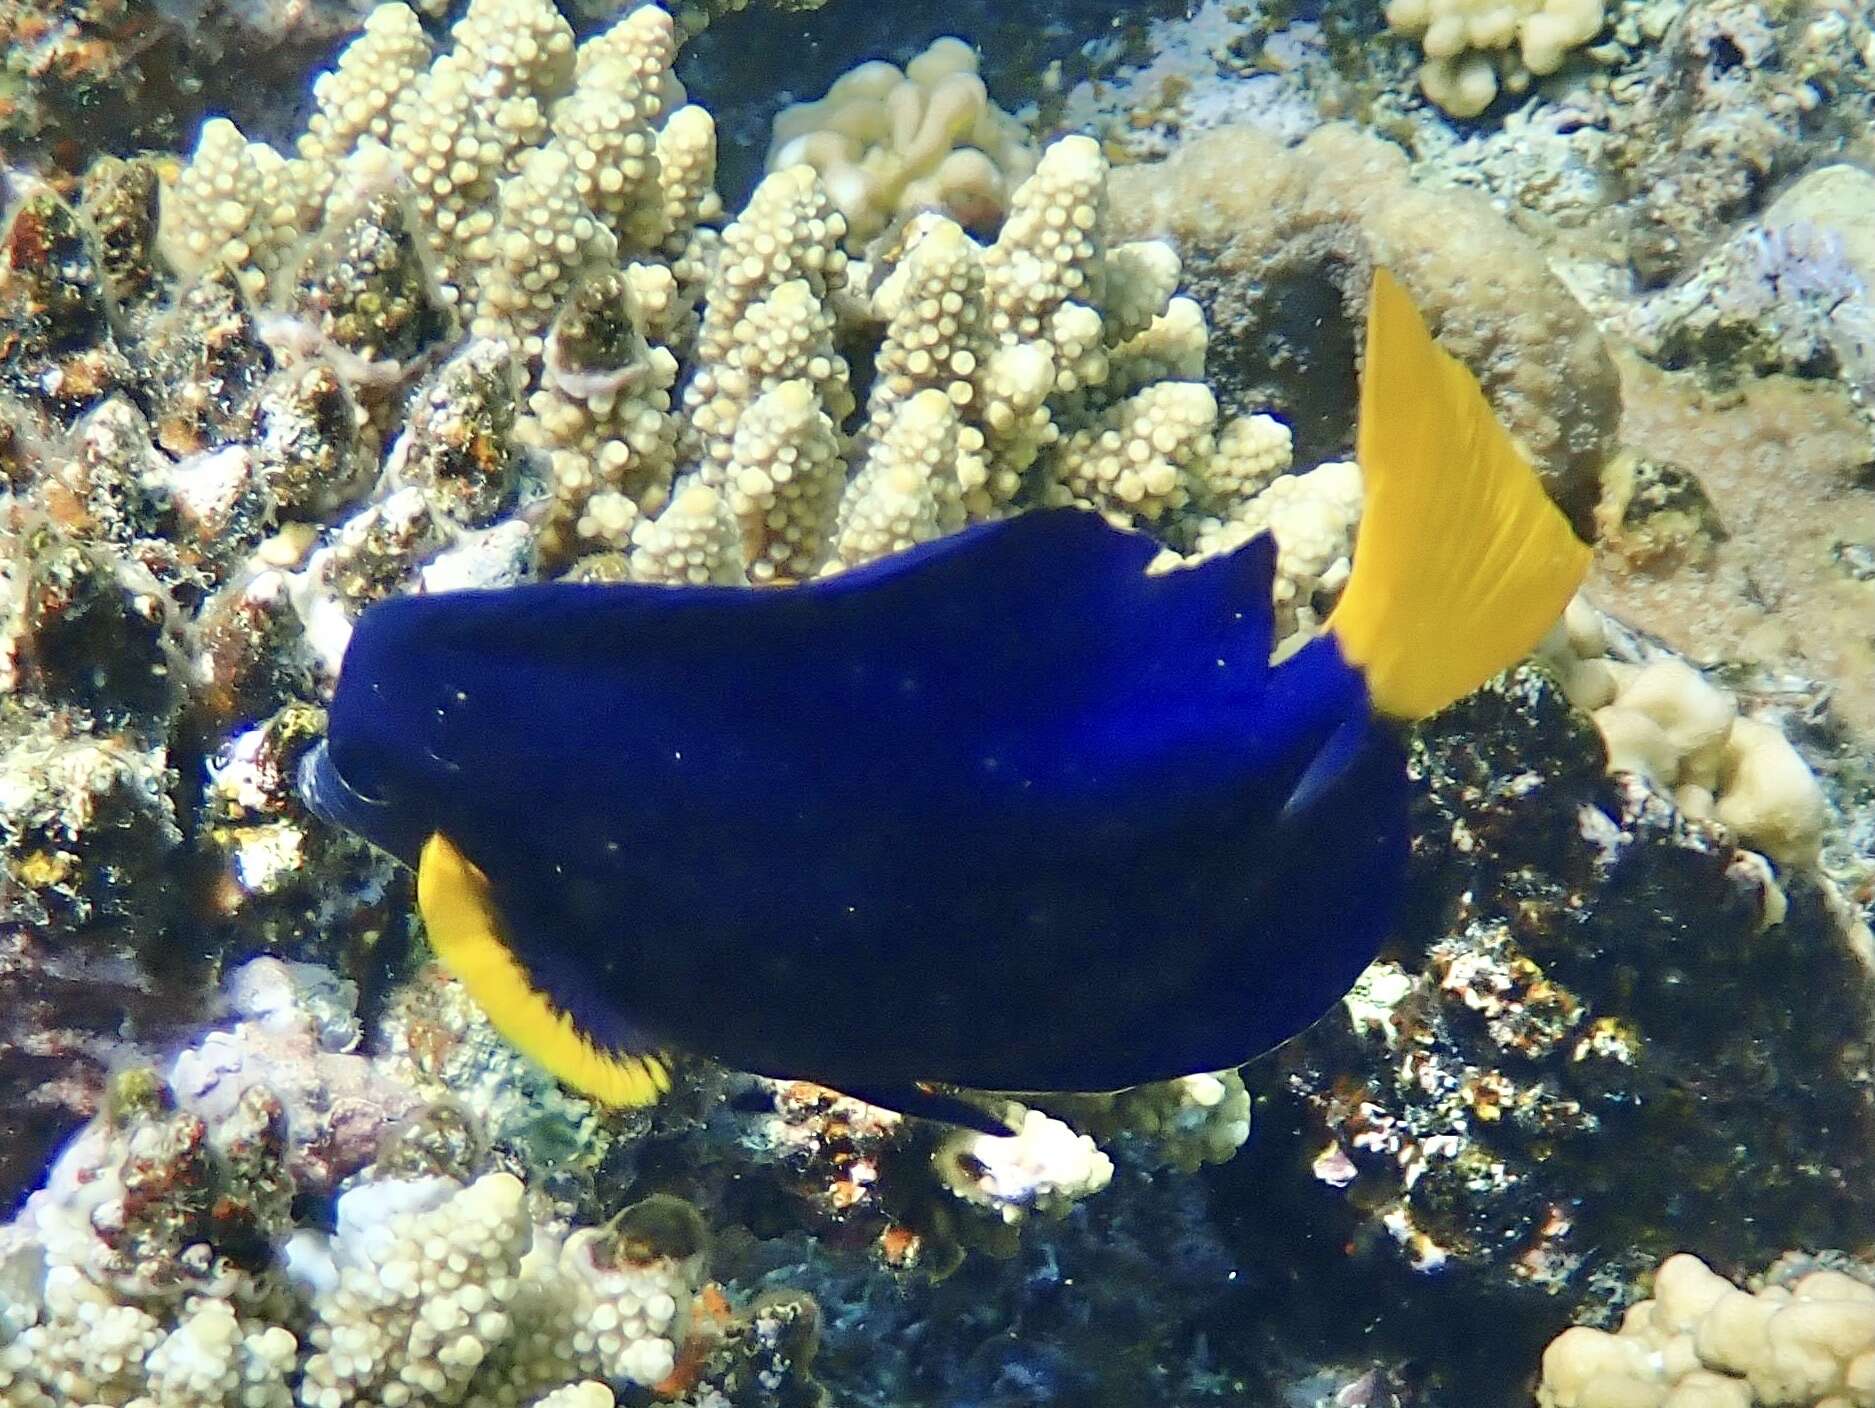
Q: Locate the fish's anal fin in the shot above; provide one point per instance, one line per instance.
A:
(928, 1102)
(1461, 562)
(465, 932)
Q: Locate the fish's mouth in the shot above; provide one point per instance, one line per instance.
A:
(328, 796)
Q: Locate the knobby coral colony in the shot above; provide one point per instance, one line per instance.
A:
(917, 764)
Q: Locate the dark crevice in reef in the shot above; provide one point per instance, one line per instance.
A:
(1297, 359)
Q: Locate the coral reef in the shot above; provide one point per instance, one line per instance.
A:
(1209, 64)
(89, 77)
(1788, 293)
(1067, 369)
(428, 1288)
(166, 1258)
(1184, 1124)
(1663, 721)
(262, 389)
(1727, 98)
(297, 1039)
(1044, 1167)
(486, 319)
(1781, 460)
(177, 1226)
(84, 76)
(1666, 124)
(695, 15)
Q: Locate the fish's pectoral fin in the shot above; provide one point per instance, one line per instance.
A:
(926, 1101)
(1341, 753)
(465, 931)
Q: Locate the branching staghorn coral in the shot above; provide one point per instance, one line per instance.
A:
(1313, 517)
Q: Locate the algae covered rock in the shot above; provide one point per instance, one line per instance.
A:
(1595, 1039)
(1790, 292)
(57, 352)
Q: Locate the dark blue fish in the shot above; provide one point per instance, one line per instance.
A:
(1002, 812)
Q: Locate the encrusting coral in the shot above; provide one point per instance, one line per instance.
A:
(1184, 1123)
(1663, 721)
(1044, 1167)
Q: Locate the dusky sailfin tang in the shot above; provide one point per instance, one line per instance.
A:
(466, 933)
(1462, 562)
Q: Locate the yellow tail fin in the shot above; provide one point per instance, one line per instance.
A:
(465, 932)
(1462, 562)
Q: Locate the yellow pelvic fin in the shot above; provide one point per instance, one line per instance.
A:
(465, 931)
(1462, 562)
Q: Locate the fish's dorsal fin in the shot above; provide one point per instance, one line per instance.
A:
(994, 547)
(1462, 562)
(465, 931)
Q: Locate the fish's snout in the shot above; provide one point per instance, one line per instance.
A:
(328, 796)
(319, 784)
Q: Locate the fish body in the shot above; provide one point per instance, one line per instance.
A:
(974, 814)
(1003, 812)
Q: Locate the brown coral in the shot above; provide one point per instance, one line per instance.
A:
(1282, 262)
